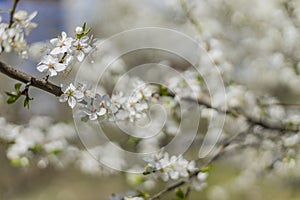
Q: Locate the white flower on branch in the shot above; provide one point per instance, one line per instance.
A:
(167, 168)
(199, 182)
(51, 64)
(24, 19)
(72, 95)
(81, 47)
(97, 106)
(62, 44)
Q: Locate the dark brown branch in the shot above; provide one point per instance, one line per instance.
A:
(12, 12)
(26, 78)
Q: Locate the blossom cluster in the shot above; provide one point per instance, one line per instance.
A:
(43, 143)
(93, 105)
(167, 168)
(12, 35)
(65, 51)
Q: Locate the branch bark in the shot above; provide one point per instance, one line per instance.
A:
(27, 78)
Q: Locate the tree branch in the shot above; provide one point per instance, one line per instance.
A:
(26, 78)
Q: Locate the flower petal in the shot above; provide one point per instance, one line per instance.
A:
(56, 50)
(42, 68)
(80, 56)
(52, 72)
(72, 102)
(60, 67)
(63, 98)
(78, 95)
(101, 112)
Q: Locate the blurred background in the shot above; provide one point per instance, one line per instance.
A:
(257, 45)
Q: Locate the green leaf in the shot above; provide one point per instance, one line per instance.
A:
(207, 169)
(84, 26)
(144, 195)
(180, 194)
(18, 87)
(26, 102)
(12, 98)
(87, 31)
(15, 162)
(11, 94)
(133, 140)
(163, 91)
(288, 126)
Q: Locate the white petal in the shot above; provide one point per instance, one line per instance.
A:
(72, 102)
(101, 112)
(72, 87)
(63, 98)
(56, 50)
(93, 116)
(80, 56)
(32, 15)
(42, 68)
(54, 41)
(63, 35)
(60, 67)
(78, 94)
(52, 72)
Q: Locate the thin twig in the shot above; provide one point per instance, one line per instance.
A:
(188, 191)
(12, 12)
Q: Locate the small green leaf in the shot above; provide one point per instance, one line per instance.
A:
(133, 140)
(288, 126)
(55, 152)
(11, 94)
(12, 98)
(163, 91)
(144, 195)
(207, 169)
(18, 87)
(87, 31)
(180, 194)
(27, 101)
(15, 162)
(84, 26)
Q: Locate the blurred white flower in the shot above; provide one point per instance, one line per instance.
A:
(22, 17)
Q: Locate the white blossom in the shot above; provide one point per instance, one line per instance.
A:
(81, 47)
(51, 64)
(22, 17)
(71, 94)
(62, 44)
